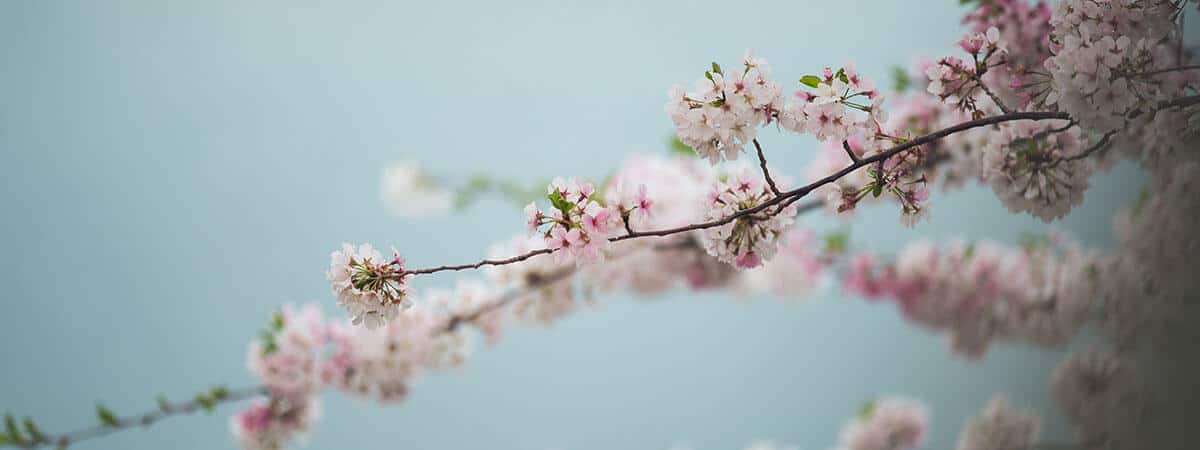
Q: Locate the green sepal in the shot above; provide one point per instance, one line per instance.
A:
(106, 416)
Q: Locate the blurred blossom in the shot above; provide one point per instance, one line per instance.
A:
(408, 191)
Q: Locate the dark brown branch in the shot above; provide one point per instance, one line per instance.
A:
(486, 262)
(762, 162)
(1168, 70)
(850, 153)
(1103, 142)
(1181, 102)
(995, 99)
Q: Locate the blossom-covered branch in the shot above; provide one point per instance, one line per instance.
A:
(785, 198)
(33, 437)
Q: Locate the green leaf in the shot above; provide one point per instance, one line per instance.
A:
(163, 404)
(866, 409)
(1031, 241)
(6, 440)
(1142, 200)
(277, 320)
(106, 416)
(11, 430)
(708, 75)
(876, 189)
(837, 241)
(841, 75)
(677, 147)
(716, 68)
(970, 251)
(900, 79)
(810, 80)
(219, 392)
(206, 403)
(559, 202)
(33, 431)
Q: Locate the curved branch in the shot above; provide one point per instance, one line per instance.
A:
(762, 162)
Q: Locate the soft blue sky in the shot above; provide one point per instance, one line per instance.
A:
(170, 172)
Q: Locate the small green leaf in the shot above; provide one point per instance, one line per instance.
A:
(900, 79)
(106, 416)
(11, 430)
(876, 189)
(970, 251)
(708, 75)
(559, 202)
(841, 75)
(866, 409)
(219, 392)
(163, 404)
(1142, 200)
(716, 68)
(277, 320)
(33, 431)
(6, 440)
(810, 80)
(677, 147)
(205, 402)
(837, 241)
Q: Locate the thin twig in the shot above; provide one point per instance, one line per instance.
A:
(762, 162)
(850, 153)
(1168, 70)
(146, 419)
(995, 99)
(1103, 142)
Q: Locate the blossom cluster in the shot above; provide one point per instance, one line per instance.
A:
(1103, 397)
(901, 178)
(303, 353)
(959, 82)
(999, 427)
(750, 239)
(842, 104)
(580, 223)
(726, 109)
(1148, 284)
(890, 423)
(408, 191)
(1102, 53)
(1023, 28)
(1034, 167)
(371, 289)
(979, 292)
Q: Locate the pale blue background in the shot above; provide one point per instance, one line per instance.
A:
(171, 172)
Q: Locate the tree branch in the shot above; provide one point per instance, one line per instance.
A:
(1169, 69)
(850, 153)
(784, 198)
(762, 162)
(145, 419)
(995, 99)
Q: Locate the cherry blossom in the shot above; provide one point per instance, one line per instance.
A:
(749, 240)
(408, 191)
(722, 115)
(1032, 168)
(371, 289)
(890, 423)
(999, 427)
